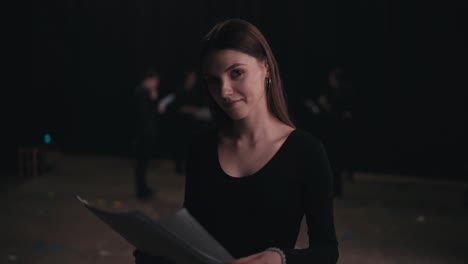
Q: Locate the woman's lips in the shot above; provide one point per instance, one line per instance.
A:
(233, 103)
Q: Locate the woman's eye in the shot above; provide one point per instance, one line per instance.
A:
(236, 73)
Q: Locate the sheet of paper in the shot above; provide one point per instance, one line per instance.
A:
(178, 237)
(187, 228)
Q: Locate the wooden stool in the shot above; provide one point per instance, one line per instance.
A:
(31, 161)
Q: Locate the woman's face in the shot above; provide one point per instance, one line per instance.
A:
(236, 81)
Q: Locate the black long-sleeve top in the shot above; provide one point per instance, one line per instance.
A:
(249, 214)
(145, 114)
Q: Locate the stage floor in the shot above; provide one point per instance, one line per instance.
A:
(381, 219)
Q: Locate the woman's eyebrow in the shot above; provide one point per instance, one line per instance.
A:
(233, 66)
(227, 69)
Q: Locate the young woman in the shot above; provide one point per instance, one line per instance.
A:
(250, 181)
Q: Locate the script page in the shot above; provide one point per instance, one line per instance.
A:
(178, 237)
(187, 228)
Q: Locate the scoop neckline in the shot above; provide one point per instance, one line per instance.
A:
(259, 171)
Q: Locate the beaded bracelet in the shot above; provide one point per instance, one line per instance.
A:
(279, 251)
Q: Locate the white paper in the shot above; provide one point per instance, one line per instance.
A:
(179, 237)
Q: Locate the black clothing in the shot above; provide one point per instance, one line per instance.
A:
(184, 124)
(145, 139)
(336, 134)
(146, 113)
(249, 214)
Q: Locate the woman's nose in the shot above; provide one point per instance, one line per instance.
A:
(226, 90)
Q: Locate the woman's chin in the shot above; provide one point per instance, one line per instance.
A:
(236, 116)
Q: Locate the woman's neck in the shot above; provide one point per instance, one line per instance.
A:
(252, 129)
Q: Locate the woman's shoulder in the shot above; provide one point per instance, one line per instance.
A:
(305, 140)
(310, 153)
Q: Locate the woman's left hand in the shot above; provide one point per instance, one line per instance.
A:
(268, 256)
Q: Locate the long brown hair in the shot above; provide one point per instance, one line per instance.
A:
(240, 35)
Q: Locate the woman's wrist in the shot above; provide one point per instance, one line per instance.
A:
(280, 252)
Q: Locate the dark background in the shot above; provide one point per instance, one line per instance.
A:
(408, 62)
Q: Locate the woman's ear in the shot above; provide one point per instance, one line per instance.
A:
(267, 67)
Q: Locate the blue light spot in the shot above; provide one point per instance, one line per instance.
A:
(56, 248)
(348, 235)
(39, 244)
(47, 138)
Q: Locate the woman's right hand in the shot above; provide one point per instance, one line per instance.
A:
(144, 258)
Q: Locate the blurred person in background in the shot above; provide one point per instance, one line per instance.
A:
(146, 97)
(334, 106)
(188, 113)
